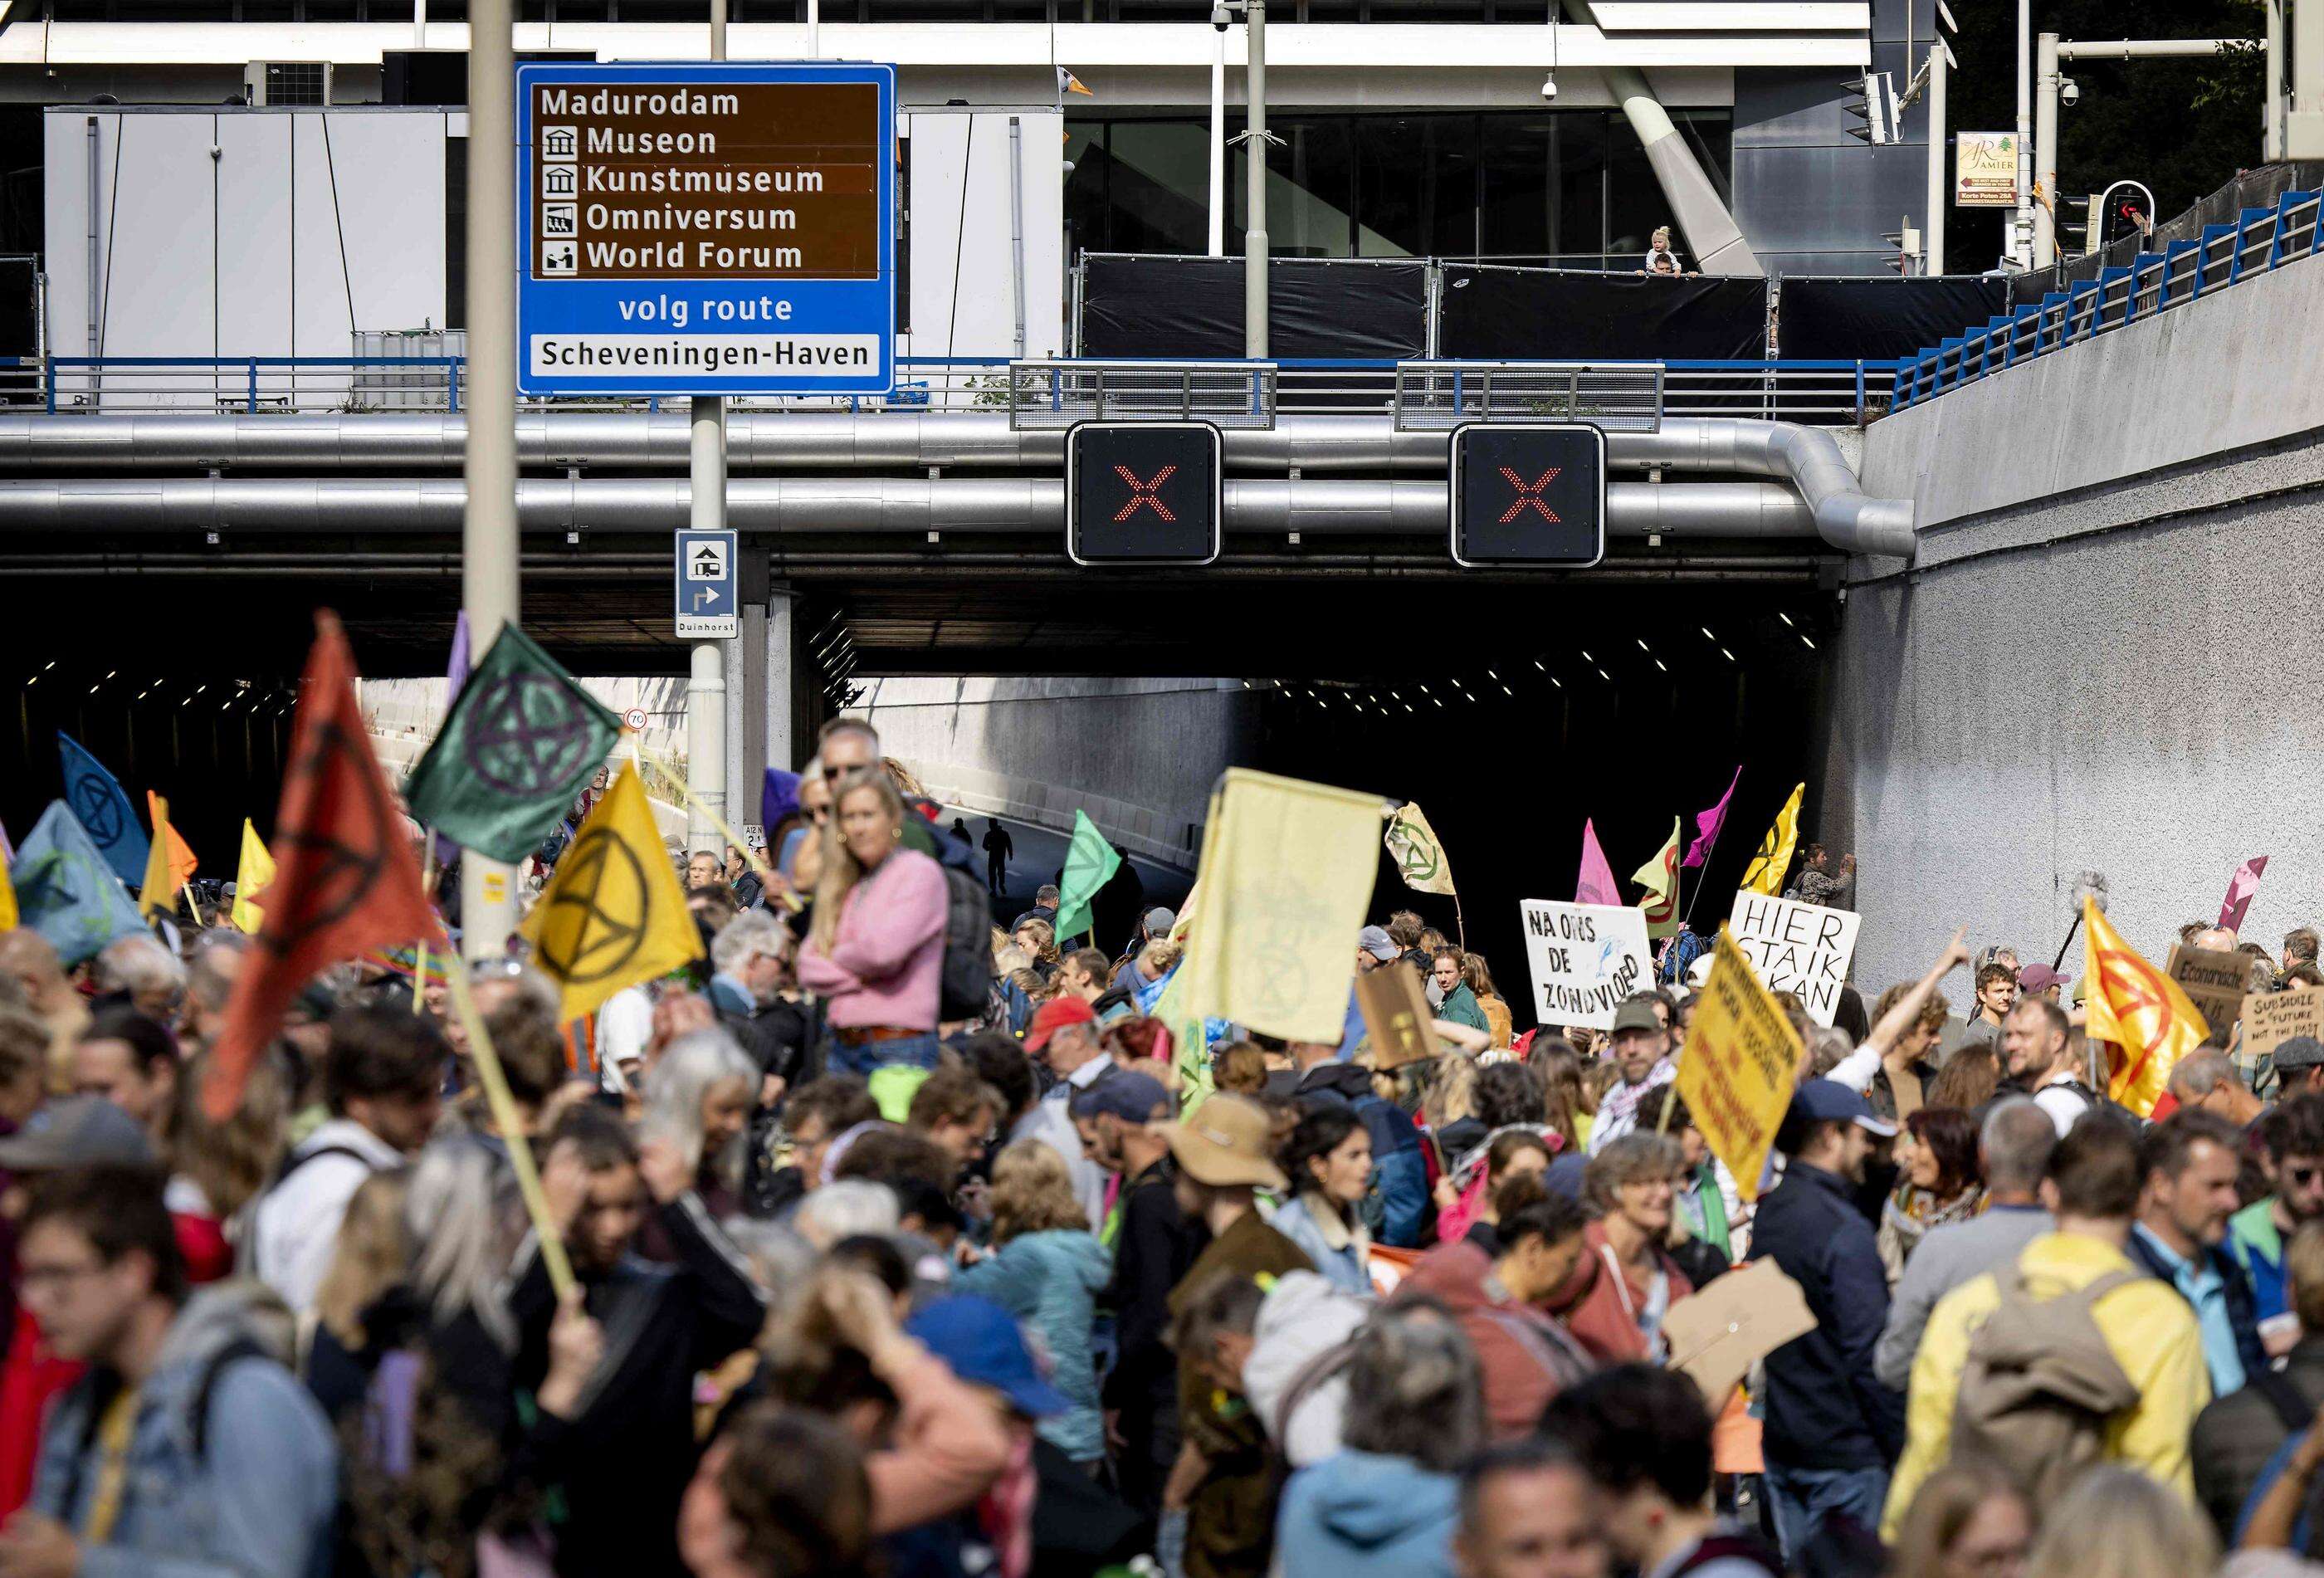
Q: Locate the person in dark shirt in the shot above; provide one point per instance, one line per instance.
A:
(624, 1450)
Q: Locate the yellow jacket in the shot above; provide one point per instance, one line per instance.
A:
(2148, 1327)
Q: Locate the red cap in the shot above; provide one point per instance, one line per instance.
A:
(1054, 1016)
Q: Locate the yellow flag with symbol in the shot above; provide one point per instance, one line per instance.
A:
(250, 875)
(1766, 872)
(1288, 868)
(1659, 878)
(1412, 843)
(613, 914)
(2148, 1019)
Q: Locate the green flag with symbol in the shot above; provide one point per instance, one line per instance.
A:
(517, 747)
(1090, 864)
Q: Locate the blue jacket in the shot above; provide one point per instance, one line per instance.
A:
(1399, 1210)
(1051, 1280)
(1826, 1408)
(1345, 1265)
(1356, 1514)
(2243, 1306)
(256, 1501)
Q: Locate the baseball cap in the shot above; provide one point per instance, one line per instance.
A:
(1227, 1140)
(1824, 1101)
(1698, 975)
(2298, 1052)
(76, 1132)
(979, 1343)
(2039, 978)
(1374, 941)
(1636, 1016)
(1128, 1095)
(1159, 921)
(1053, 1016)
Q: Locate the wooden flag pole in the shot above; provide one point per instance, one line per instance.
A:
(511, 1126)
(427, 893)
(757, 861)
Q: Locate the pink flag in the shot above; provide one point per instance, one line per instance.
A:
(1597, 876)
(2240, 889)
(1707, 825)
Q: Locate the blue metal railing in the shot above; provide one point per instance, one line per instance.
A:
(2256, 242)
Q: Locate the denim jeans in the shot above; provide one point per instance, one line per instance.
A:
(915, 1051)
(1802, 1498)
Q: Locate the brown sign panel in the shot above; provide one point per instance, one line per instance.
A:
(2214, 982)
(733, 180)
(1396, 1015)
(2272, 1018)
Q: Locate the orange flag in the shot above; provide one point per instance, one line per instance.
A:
(180, 856)
(2138, 1008)
(345, 878)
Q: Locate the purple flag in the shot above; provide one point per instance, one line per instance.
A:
(1597, 885)
(1707, 825)
(2240, 889)
(778, 797)
(457, 672)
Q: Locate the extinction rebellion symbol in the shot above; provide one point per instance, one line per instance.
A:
(529, 736)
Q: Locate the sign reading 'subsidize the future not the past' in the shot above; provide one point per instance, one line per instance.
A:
(718, 229)
(1585, 959)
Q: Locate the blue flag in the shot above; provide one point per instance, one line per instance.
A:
(66, 890)
(104, 812)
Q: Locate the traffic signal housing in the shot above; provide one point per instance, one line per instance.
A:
(1143, 493)
(1529, 494)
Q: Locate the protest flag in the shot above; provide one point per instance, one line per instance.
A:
(1419, 857)
(2146, 1014)
(1090, 864)
(7, 890)
(520, 743)
(1659, 878)
(64, 889)
(614, 914)
(251, 876)
(168, 863)
(347, 880)
(1597, 883)
(1707, 825)
(2240, 889)
(1286, 870)
(102, 808)
(1766, 872)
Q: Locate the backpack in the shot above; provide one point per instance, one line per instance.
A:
(965, 982)
(2040, 1385)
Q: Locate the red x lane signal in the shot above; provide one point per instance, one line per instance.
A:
(1142, 494)
(1530, 496)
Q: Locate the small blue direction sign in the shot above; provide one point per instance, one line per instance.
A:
(706, 586)
(706, 229)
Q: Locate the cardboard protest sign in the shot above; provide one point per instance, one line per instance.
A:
(1795, 947)
(1585, 958)
(1739, 1064)
(1396, 1015)
(2214, 981)
(1716, 1335)
(2272, 1018)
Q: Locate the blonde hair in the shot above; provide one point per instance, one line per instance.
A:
(230, 1162)
(1032, 1192)
(2117, 1523)
(841, 870)
(1451, 1096)
(370, 1257)
(1047, 936)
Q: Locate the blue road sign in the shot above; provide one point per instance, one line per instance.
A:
(718, 229)
(706, 587)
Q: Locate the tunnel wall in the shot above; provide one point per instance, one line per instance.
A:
(1036, 749)
(2104, 656)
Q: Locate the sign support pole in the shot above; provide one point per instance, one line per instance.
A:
(489, 572)
(705, 689)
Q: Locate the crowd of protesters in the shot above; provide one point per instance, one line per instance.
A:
(872, 1281)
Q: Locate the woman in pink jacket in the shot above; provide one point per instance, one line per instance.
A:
(875, 953)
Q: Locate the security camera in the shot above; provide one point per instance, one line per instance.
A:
(1549, 86)
(2070, 92)
(1219, 18)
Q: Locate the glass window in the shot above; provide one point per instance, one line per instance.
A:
(1157, 184)
(1310, 188)
(1415, 186)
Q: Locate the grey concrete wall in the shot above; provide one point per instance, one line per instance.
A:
(2105, 656)
(1139, 755)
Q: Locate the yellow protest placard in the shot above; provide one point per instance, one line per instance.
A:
(1739, 1066)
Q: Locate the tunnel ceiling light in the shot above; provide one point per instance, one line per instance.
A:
(1540, 665)
(1786, 618)
(1586, 657)
(1726, 654)
(1707, 635)
(1553, 679)
(1810, 645)
(1490, 675)
(1508, 692)
(94, 689)
(1662, 666)
(1608, 679)
(1644, 648)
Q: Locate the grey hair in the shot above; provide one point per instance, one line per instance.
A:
(2016, 1142)
(137, 963)
(844, 1209)
(781, 1262)
(751, 935)
(1414, 1389)
(1628, 1159)
(674, 1085)
(454, 1210)
(1829, 1046)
